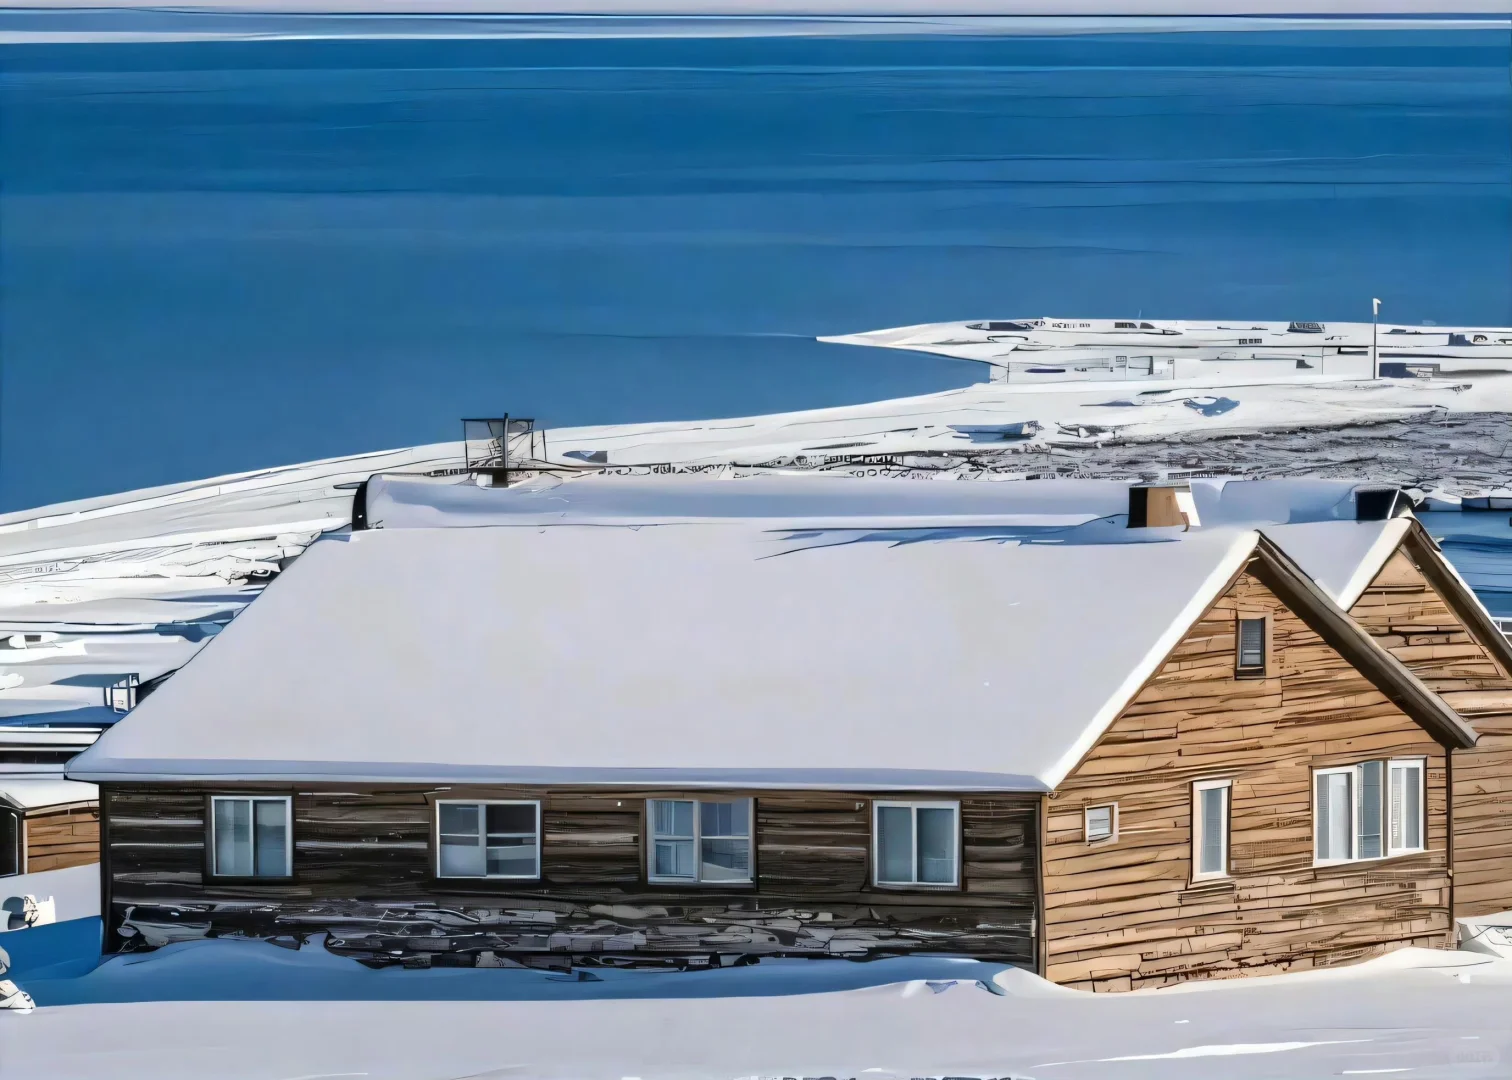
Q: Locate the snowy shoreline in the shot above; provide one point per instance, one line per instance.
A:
(138, 581)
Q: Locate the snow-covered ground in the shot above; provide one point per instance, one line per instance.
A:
(1414, 1013)
(93, 590)
(70, 893)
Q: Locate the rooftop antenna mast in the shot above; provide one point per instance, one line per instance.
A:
(1375, 364)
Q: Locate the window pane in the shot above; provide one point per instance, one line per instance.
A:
(725, 818)
(233, 837)
(673, 858)
(725, 860)
(1413, 828)
(1251, 643)
(672, 817)
(1406, 807)
(461, 856)
(1370, 810)
(459, 819)
(1212, 861)
(271, 817)
(1099, 822)
(1333, 824)
(937, 845)
(511, 819)
(895, 843)
(513, 858)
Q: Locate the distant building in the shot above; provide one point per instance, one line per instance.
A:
(46, 821)
(1118, 736)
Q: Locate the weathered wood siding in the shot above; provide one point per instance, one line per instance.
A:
(1126, 914)
(1412, 620)
(363, 861)
(59, 837)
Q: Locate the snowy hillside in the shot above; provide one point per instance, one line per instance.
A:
(132, 584)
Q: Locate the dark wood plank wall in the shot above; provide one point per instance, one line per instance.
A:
(363, 871)
(1127, 915)
(59, 837)
(1409, 617)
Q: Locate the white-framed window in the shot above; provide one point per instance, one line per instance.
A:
(1371, 810)
(496, 838)
(1405, 807)
(916, 843)
(1100, 823)
(1210, 829)
(251, 836)
(699, 840)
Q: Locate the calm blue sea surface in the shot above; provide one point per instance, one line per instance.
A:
(219, 256)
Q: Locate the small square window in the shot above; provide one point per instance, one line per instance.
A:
(700, 841)
(488, 839)
(916, 843)
(251, 837)
(1100, 823)
(1250, 659)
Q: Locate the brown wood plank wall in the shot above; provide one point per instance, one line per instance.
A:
(1409, 617)
(1126, 914)
(363, 871)
(60, 837)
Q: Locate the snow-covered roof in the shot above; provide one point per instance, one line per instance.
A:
(33, 794)
(715, 653)
(802, 499)
(1343, 557)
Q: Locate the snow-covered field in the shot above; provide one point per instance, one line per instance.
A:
(134, 583)
(1414, 1013)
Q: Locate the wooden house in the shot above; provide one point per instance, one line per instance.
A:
(847, 727)
(47, 823)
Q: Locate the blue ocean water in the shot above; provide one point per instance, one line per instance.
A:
(218, 256)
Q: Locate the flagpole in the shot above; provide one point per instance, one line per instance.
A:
(1375, 363)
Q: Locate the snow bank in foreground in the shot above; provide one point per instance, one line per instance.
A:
(1406, 1014)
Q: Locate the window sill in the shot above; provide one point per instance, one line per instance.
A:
(684, 883)
(1248, 673)
(217, 879)
(890, 886)
(442, 878)
(1334, 864)
(1215, 882)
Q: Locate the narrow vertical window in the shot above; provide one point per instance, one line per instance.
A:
(1251, 655)
(1333, 815)
(700, 840)
(1210, 829)
(250, 837)
(499, 839)
(1406, 807)
(916, 843)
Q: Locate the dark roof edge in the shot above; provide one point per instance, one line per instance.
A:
(1388, 674)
